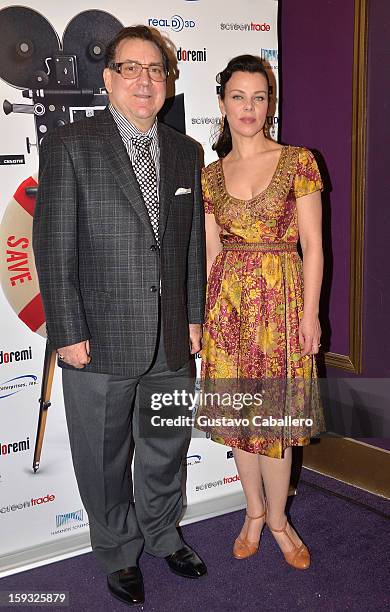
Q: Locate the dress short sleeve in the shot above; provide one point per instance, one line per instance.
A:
(307, 178)
(208, 205)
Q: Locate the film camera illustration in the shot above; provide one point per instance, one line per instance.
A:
(62, 79)
(62, 82)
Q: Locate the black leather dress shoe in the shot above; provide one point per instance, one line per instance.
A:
(127, 585)
(185, 562)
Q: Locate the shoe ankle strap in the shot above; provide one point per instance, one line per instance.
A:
(279, 530)
(253, 518)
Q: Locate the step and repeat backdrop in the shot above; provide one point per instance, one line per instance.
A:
(51, 58)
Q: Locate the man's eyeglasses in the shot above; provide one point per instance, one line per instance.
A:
(132, 70)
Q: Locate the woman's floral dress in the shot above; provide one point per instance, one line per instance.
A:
(254, 305)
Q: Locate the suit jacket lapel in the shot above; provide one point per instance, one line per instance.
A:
(168, 156)
(115, 154)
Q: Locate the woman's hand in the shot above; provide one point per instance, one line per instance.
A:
(309, 334)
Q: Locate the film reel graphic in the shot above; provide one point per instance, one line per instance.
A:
(62, 79)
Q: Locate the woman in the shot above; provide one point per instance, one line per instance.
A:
(262, 302)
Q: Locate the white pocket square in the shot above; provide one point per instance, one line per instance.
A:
(182, 191)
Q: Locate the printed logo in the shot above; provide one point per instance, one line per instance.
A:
(193, 460)
(269, 55)
(226, 480)
(246, 27)
(176, 23)
(28, 504)
(8, 448)
(17, 384)
(12, 356)
(192, 55)
(229, 454)
(272, 123)
(70, 521)
(272, 120)
(205, 121)
(63, 519)
(11, 160)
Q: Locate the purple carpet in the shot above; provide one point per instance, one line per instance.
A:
(346, 529)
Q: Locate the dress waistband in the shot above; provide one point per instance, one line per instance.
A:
(260, 246)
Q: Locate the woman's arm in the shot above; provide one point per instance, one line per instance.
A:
(213, 242)
(310, 235)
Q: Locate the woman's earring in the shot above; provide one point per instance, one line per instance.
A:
(222, 124)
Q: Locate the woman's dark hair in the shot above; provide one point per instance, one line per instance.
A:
(241, 63)
(141, 32)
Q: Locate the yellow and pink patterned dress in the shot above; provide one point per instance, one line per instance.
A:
(254, 305)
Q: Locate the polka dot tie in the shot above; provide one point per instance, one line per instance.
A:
(145, 171)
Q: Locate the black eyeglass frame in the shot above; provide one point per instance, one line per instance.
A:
(116, 66)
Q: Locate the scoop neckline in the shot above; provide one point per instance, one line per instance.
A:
(270, 184)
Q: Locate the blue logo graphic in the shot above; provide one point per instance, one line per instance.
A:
(269, 55)
(17, 384)
(63, 519)
(193, 459)
(176, 23)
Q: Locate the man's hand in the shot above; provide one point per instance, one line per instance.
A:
(76, 355)
(195, 337)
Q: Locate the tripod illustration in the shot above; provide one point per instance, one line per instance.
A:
(49, 365)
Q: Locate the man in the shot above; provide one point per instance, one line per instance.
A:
(119, 249)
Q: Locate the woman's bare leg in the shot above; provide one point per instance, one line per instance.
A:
(276, 477)
(248, 467)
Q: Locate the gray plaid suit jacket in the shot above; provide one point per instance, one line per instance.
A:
(98, 264)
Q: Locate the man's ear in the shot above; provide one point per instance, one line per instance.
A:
(107, 78)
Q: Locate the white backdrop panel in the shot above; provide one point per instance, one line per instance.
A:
(41, 515)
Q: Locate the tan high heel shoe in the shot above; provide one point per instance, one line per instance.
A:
(299, 557)
(244, 548)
